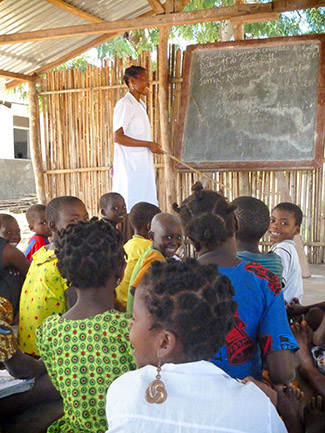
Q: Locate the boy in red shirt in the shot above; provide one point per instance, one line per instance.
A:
(37, 223)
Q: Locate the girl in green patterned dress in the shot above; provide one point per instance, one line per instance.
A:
(88, 347)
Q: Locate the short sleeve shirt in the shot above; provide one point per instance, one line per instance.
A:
(291, 276)
(134, 248)
(83, 357)
(261, 324)
(41, 296)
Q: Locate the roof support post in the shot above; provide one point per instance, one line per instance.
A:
(35, 141)
(170, 175)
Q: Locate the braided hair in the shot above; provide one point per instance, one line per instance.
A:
(207, 216)
(193, 301)
(89, 253)
(253, 216)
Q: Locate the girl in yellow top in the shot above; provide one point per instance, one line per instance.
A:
(44, 291)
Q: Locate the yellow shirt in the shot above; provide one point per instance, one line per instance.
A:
(134, 248)
(41, 296)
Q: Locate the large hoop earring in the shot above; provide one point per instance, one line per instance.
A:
(156, 391)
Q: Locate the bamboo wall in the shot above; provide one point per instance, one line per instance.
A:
(77, 112)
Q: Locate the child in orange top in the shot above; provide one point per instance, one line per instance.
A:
(166, 236)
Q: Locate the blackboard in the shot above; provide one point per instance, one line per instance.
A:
(253, 104)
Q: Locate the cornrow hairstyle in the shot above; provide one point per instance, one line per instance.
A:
(105, 199)
(132, 71)
(292, 208)
(193, 301)
(6, 217)
(54, 207)
(89, 253)
(33, 212)
(207, 216)
(253, 216)
(142, 213)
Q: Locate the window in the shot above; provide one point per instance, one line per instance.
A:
(21, 137)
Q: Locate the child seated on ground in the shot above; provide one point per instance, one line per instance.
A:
(254, 220)
(37, 223)
(86, 348)
(45, 292)
(13, 269)
(9, 229)
(285, 223)
(112, 208)
(140, 218)
(175, 388)
(166, 237)
(261, 333)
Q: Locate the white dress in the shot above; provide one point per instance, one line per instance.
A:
(133, 169)
(201, 398)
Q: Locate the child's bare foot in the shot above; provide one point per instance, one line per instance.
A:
(290, 407)
(263, 387)
(304, 337)
(319, 334)
(314, 318)
(314, 416)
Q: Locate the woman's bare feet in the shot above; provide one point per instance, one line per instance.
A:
(314, 416)
(290, 407)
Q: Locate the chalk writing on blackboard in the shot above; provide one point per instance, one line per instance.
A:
(252, 103)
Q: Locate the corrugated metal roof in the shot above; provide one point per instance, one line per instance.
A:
(28, 15)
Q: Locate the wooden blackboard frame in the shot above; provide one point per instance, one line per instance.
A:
(315, 162)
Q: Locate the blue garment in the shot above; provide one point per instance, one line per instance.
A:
(34, 244)
(261, 324)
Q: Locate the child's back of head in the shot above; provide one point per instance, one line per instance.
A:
(89, 253)
(36, 219)
(9, 229)
(253, 217)
(207, 217)
(141, 215)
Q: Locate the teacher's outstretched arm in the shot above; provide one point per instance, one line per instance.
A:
(124, 140)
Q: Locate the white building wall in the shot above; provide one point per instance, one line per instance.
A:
(6, 133)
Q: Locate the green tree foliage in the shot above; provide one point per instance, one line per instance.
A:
(289, 24)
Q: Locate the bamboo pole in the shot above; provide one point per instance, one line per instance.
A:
(163, 114)
(36, 149)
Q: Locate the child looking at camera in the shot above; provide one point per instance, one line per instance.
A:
(285, 224)
(37, 223)
(166, 237)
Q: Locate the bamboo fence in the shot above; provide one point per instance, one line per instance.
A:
(77, 112)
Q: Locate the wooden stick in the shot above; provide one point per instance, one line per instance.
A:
(194, 170)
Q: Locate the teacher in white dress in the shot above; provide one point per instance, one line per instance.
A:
(133, 169)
